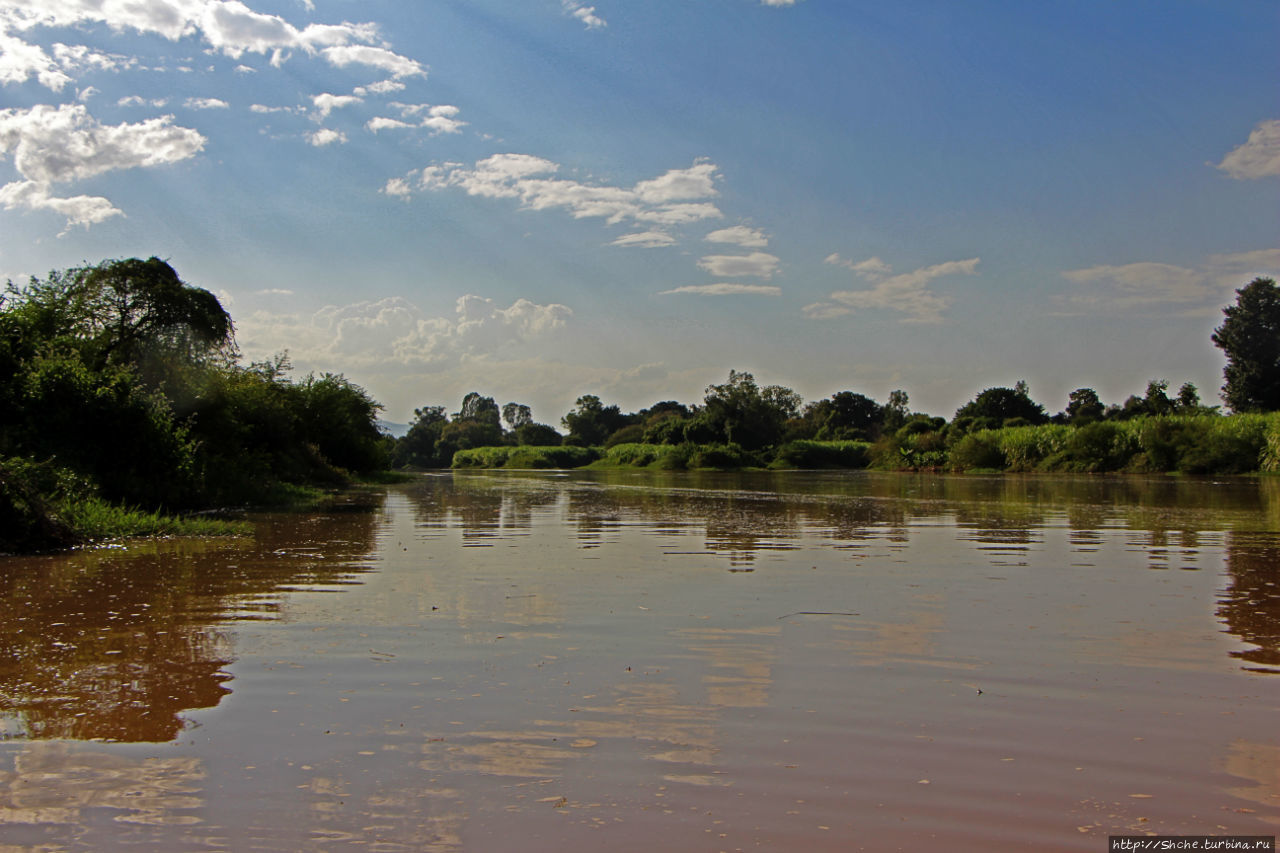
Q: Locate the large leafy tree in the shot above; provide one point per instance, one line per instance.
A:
(742, 412)
(1002, 404)
(1250, 339)
(122, 311)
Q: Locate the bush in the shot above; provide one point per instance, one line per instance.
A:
(976, 450)
(803, 453)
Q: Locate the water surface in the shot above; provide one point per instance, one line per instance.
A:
(521, 661)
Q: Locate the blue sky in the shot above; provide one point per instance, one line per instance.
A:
(546, 198)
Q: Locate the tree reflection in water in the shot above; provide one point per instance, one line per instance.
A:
(115, 644)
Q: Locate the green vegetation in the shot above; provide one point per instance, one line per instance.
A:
(124, 409)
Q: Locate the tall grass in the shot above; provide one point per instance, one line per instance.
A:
(525, 456)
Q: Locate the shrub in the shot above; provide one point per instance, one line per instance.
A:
(803, 453)
(976, 450)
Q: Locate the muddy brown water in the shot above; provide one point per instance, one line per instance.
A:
(567, 662)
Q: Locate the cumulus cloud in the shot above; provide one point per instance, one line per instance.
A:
(326, 103)
(326, 136)
(906, 293)
(726, 289)
(375, 57)
(1148, 285)
(1259, 157)
(56, 145)
(671, 199)
(227, 26)
(739, 235)
(758, 264)
(205, 104)
(20, 60)
(394, 332)
(586, 14)
(437, 118)
(645, 240)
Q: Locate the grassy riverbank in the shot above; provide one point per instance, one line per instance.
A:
(1183, 444)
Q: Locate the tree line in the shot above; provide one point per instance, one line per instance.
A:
(750, 424)
(121, 386)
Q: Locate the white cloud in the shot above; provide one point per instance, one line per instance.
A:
(382, 87)
(53, 145)
(327, 103)
(78, 57)
(777, 2)
(228, 26)
(245, 69)
(59, 144)
(739, 235)
(378, 123)
(532, 181)
(205, 104)
(907, 293)
(1148, 285)
(394, 332)
(326, 136)
(264, 109)
(758, 264)
(80, 210)
(727, 289)
(87, 94)
(138, 101)
(645, 240)
(376, 57)
(1259, 157)
(586, 14)
(871, 269)
(20, 60)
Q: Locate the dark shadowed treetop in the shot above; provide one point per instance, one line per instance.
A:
(118, 309)
(1001, 404)
(1250, 339)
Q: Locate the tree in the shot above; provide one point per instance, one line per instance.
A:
(1250, 339)
(1188, 398)
(591, 422)
(845, 415)
(1084, 406)
(741, 412)
(517, 415)
(417, 449)
(476, 407)
(1002, 404)
(118, 311)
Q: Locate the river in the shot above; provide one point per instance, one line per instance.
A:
(523, 661)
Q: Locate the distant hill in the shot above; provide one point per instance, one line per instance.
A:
(396, 430)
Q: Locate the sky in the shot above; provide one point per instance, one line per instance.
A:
(539, 199)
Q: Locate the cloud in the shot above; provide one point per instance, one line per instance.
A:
(326, 103)
(382, 87)
(80, 210)
(907, 293)
(777, 2)
(726, 289)
(138, 101)
(1259, 157)
(758, 264)
(739, 235)
(205, 104)
(326, 136)
(55, 145)
(664, 201)
(395, 333)
(378, 123)
(20, 60)
(645, 240)
(1148, 285)
(585, 14)
(438, 118)
(870, 269)
(228, 26)
(376, 57)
